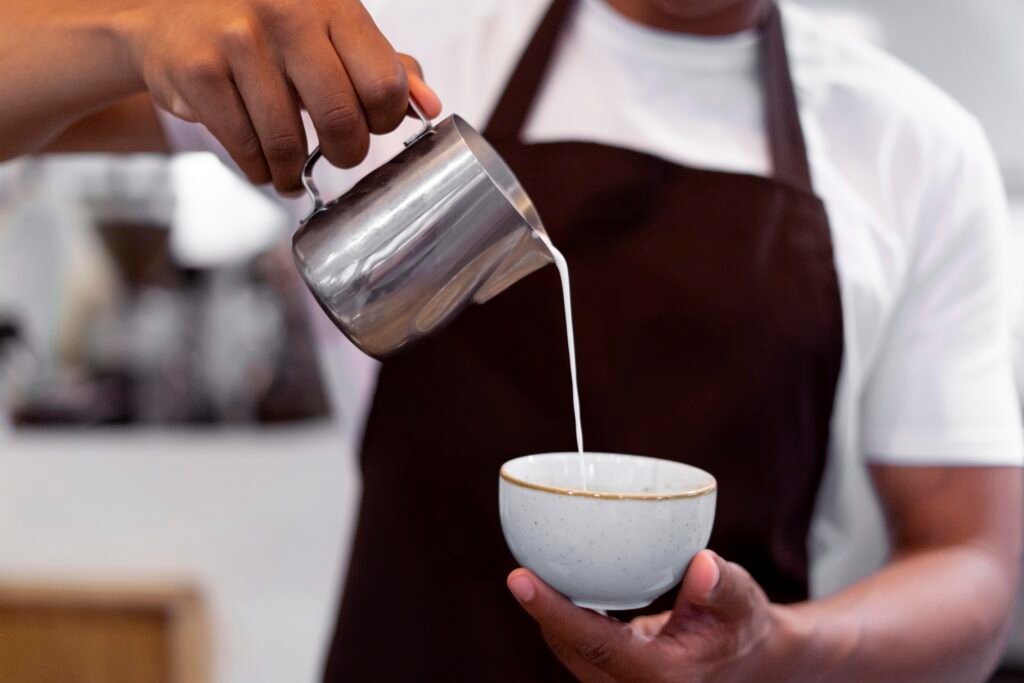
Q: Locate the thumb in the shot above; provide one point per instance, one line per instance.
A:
(723, 589)
(590, 638)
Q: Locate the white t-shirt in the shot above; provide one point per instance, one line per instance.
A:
(918, 213)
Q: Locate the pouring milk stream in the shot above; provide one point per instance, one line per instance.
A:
(442, 225)
(563, 274)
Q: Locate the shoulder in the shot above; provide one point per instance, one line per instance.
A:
(901, 144)
(833, 63)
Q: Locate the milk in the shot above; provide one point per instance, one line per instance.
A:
(563, 272)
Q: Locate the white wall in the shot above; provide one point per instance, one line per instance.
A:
(973, 50)
(260, 521)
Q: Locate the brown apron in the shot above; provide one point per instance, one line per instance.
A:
(709, 330)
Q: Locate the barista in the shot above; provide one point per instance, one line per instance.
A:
(785, 257)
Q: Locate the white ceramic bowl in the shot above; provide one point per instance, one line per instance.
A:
(617, 543)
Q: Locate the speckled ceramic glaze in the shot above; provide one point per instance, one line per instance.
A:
(617, 543)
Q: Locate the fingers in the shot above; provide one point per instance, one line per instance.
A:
(412, 66)
(245, 69)
(329, 96)
(428, 100)
(213, 100)
(650, 626)
(341, 116)
(721, 588)
(353, 83)
(275, 117)
(579, 634)
(182, 109)
(268, 99)
(577, 666)
(374, 67)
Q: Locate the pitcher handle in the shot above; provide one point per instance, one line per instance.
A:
(307, 170)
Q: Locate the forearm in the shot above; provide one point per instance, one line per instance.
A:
(128, 127)
(930, 616)
(60, 60)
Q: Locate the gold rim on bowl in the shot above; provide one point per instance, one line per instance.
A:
(604, 495)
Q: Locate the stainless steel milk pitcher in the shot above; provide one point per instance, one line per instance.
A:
(443, 224)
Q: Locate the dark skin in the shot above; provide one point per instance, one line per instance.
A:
(243, 68)
(697, 17)
(939, 609)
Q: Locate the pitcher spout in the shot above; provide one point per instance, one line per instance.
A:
(530, 254)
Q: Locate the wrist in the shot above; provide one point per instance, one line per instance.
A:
(97, 39)
(116, 34)
(62, 62)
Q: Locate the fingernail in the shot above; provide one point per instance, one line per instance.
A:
(717, 573)
(521, 587)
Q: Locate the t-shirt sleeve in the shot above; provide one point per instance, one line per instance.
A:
(942, 391)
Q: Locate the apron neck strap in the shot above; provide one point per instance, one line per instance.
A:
(516, 103)
(785, 134)
(782, 114)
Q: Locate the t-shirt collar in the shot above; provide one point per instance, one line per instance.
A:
(737, 50)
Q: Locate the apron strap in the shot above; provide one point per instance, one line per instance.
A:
(516, 103)
(785, 134)
(782, 114)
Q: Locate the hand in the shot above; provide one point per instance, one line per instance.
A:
(722, 629)
(244, 68)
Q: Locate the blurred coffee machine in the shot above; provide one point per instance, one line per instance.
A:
(164, 342)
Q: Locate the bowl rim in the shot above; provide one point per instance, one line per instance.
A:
(610, 495)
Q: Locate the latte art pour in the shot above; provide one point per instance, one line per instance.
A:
(563, 273)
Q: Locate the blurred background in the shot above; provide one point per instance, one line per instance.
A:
(169, 457)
